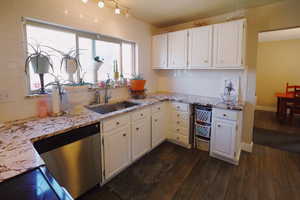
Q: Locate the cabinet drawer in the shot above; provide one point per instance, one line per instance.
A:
(180, 130)
(178, 115)
(157, 107)
(116, 122)
(180, 106)
(181, 123)
(181, 138)
(140, 114)
(225, 114)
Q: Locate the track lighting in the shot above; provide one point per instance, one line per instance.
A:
(84, 1)
(117, 10)
(101, 4)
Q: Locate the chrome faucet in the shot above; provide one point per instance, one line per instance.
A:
(97, 97)
(107, 96)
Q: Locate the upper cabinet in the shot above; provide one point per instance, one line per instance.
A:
(177, 49)
(219, 46)
(200, 47)
(229, 48)
(160, 51)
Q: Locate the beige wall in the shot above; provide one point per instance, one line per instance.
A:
(93, 19)
(278, 62)
(279, 15)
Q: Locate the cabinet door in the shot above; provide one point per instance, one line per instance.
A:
(116, 150)
(158, 130)
(177, 49)
(200, 47)
(229, 44)
(159, 51)
(141, 138)
(223, 138)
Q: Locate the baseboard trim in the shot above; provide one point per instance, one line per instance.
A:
(247, 147)
(266, 108)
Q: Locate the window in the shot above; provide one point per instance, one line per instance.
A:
(88, 45)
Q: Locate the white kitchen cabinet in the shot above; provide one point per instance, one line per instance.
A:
(141, 138)
(225, 141)
(160, 51)
(177, 49)
(158, 130)
(117, 150)
(229, 44)
(200, 47)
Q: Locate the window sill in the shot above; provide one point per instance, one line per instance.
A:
(33, 96)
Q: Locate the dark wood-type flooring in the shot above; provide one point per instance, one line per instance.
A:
(265, 174)
(269, 121)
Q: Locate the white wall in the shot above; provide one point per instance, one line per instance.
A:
(92, 19)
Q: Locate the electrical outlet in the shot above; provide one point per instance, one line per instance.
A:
(4, 96)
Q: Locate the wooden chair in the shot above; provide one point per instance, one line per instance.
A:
(295, 105)
(289, 88)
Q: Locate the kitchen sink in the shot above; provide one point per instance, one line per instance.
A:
(108, 108)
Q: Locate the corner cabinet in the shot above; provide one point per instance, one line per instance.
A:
(177, 49)
(229, 44)
(225, 141)
(160, 51)
(200, 47)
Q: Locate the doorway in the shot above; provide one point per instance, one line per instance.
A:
(278, 73)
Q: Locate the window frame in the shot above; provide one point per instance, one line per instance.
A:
(78, 33)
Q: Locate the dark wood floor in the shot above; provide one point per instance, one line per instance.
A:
(265, 174)
(269, 121)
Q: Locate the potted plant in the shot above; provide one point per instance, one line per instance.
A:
(70, 61)
(97, 65)
(137, 83)
(40, 62)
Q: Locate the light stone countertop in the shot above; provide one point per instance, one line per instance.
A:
(17, 154)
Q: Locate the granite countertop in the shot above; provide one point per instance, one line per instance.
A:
(17, 154)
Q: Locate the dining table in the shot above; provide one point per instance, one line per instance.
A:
(282, 99)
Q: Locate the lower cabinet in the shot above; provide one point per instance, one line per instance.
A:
(225, 142)
(158, 131)
(223, 138)
(141, 138)
(116, 151)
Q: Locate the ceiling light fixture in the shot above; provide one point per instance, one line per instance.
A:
(84, 1)
(101, 4)
(127, 13)
(117, 10)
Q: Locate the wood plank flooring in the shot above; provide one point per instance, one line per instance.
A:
(265, 174)
(269, 121)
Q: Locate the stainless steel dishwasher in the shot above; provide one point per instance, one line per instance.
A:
(74, 158)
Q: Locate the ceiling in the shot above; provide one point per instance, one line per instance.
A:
(162, 13)
(287, 34)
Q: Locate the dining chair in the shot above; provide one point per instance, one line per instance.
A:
(289, 88)
(295, 105)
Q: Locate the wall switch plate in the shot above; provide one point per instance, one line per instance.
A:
(4, 96)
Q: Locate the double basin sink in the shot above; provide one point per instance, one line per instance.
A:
(108, 108)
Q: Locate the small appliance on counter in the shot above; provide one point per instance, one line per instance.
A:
(202, 126)
(138, 94)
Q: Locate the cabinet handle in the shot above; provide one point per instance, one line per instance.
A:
(177, 130)
(137, 129)
(224, 115)
(178, 115)
(117, 123)
(155, 120)
(142, 115)
(219, 125)
(178, 122)
(158, 108)
(177, 138)
(124, 135)
(178, 107)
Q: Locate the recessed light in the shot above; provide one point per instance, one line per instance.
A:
(101, 4)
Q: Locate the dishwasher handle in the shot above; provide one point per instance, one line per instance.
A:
(54, 142)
